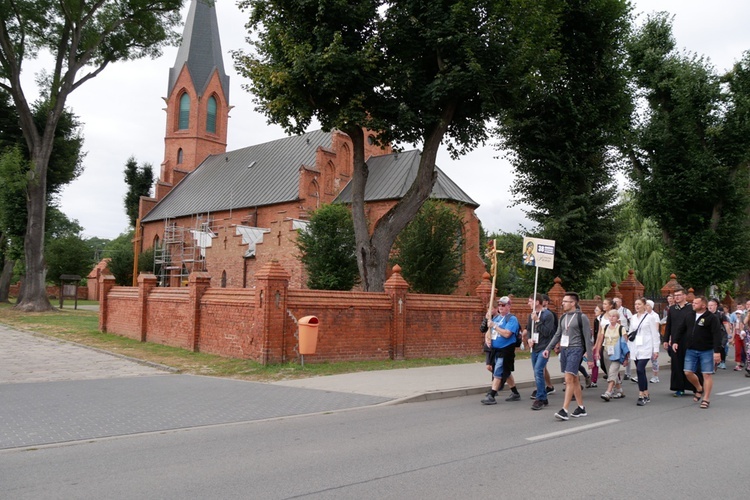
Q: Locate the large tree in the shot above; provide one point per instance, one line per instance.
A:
(65, 165)
(139, 180)
(418, 71)
(563, 130)
(690, 155)
(78, 35)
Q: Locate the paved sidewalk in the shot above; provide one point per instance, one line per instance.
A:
(26, 357)
(436, 382)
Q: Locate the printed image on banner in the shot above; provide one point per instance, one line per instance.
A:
(538, 253)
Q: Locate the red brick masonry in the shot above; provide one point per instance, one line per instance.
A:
(261, 323)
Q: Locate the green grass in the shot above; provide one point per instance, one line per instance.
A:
(83, 327)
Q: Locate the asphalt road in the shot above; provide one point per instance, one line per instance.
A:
(449, 448)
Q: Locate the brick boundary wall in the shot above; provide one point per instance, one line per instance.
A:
(261, 323)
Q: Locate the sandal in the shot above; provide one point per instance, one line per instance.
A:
(704, 404)
(698, 395)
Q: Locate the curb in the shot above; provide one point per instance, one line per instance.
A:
(474, 390)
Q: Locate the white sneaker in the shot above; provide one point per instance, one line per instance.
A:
(654, 380)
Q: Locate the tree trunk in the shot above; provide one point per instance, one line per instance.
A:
(398, 217)
(5, 276)
(34, 294)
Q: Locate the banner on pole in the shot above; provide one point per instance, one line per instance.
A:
(538, 253)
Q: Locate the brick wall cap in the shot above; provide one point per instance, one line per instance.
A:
(272, 270)
(396, 280)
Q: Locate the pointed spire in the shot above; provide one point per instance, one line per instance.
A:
(200, 49)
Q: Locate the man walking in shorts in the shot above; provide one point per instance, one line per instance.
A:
(574, 335)
(701, 343)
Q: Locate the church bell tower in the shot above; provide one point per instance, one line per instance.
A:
(197, 98)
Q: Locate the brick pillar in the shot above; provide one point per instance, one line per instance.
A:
(106, 282)
(670, 286)
(198, 282)
(556, 294)
(631, 289)
(613, 291)
(146, 283)
(484, 290)
(396, 287)
(272, 286)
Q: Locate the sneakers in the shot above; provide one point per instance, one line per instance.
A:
(489, 399)
(738, 368)
(592, 384)
(618, 395)
(579, 412)
(722, 366)
(677, 394)
(513, 397)
(626, 377)
(562, 414)
(641, 402)
(647, 399)
(606, 396)
(550, 390)
(633, 379)
(654, 380)
(538, 404)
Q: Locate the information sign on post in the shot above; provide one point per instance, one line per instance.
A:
(538, 253)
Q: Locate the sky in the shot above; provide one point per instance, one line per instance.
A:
(122, 111)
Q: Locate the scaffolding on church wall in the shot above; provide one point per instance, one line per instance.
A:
(182, 251)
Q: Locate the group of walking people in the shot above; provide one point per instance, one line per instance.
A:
(693, 336)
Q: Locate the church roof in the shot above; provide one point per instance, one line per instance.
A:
(200, 48)
(390, 176)
(268, 173)
(258, 175)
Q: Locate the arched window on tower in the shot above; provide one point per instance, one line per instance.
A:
(179, 156)
(184, 121)
(223, 279)
(211, 115)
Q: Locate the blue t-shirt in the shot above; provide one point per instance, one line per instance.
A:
(507, 322)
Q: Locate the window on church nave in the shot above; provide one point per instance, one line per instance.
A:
(211, 115)
(184, 121)
(179, 156)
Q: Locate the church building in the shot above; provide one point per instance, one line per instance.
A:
(230, 212)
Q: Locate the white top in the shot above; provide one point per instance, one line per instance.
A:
(647, 339)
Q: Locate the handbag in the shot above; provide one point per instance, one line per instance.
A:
(631, 335)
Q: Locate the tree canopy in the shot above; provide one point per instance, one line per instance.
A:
(430, 249)
(563, 131)
(690, 154)
(327, 249)
(420, 71)
(139, 180)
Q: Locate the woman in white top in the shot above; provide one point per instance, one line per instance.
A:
(644, 330)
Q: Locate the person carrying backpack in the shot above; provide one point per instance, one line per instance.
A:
(502, 336)
(609, 350)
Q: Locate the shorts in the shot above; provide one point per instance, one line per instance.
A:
(570, 359)
(504, 362)
(705, 358)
